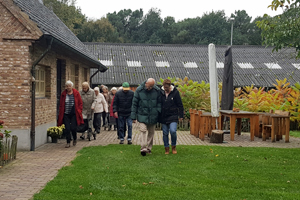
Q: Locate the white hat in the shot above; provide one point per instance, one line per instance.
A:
(96, 89)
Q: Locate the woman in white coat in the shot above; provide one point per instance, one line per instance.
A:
(99, 106)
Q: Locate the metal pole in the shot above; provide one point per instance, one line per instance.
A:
(32, 129)
(231, 32)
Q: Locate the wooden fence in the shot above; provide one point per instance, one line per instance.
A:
(183, 125)
(8, 149)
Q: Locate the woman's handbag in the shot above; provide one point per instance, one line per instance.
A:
(83, 127)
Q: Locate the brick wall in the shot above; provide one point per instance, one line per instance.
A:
(15, 83)
(46, 107)
(16, 57)
(19, 48)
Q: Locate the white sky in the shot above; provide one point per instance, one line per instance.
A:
(95, 9)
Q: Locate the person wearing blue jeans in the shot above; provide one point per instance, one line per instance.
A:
(169, 128)
(122, 122)
(172, 110)
(122, 110)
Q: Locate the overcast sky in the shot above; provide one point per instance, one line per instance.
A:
(95, 9)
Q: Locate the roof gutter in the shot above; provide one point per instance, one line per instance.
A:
(94, 75)
(101, 67)
(32, 130)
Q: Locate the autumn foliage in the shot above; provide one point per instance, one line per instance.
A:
(284, 97)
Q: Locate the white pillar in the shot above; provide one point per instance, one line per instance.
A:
(213, 81)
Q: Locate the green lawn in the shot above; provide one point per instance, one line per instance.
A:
(295, 133)
(196, 172)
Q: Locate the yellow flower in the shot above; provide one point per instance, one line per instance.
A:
(55, 131)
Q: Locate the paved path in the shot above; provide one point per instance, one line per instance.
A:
(30, 172)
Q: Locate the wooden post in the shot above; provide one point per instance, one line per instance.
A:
(198, 117)
(287, 129)
(192, 121)
(217, 136)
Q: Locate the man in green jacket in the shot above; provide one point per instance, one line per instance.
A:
(146, 108)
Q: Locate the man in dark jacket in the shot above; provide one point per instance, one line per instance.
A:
(146, 107)
(122, 110)
(172, 109)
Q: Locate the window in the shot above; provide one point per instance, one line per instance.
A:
(74, 75)
(40, 89)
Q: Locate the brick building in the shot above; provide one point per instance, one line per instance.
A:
(37, 50)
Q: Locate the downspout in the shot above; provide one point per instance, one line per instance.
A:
(32, 131)
(94, 75)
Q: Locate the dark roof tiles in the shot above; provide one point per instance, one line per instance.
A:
(178, 55)
(50, 24)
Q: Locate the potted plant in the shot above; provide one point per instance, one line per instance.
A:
(55, 132)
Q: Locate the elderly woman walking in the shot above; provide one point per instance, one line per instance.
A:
(105, 116)
(111, 120)
(70, 109)
(99, 106)
(88, 96)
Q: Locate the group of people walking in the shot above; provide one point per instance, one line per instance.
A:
(148, 105)
(80, 111)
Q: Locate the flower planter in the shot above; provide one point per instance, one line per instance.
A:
(55, 132)
(54, 139)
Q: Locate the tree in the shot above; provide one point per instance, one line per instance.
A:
(254, 35)
(67, 13)
(151, 28)
(241, 27)
(100, 30)
(126, 23)
(187, 31)
(215, 28)
(168, 25)
(282, 31)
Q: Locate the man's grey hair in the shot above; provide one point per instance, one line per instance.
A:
(69, 83)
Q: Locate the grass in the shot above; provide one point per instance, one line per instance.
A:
(295, 133)
(196, 172)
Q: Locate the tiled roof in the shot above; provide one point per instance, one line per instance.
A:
(259, 64)
(51, 25)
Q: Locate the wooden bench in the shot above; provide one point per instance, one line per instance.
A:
(207, 124)
(276, 125)
(192, 121)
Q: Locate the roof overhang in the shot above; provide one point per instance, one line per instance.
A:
(99, 65)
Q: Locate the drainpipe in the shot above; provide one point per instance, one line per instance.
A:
(32, 131)
(94, 75)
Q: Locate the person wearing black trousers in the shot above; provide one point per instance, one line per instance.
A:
(99, 106)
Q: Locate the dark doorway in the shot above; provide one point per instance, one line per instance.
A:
(60, 68)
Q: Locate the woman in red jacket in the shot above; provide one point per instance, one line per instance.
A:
(70, 112)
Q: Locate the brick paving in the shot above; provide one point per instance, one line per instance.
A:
(30, 172)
